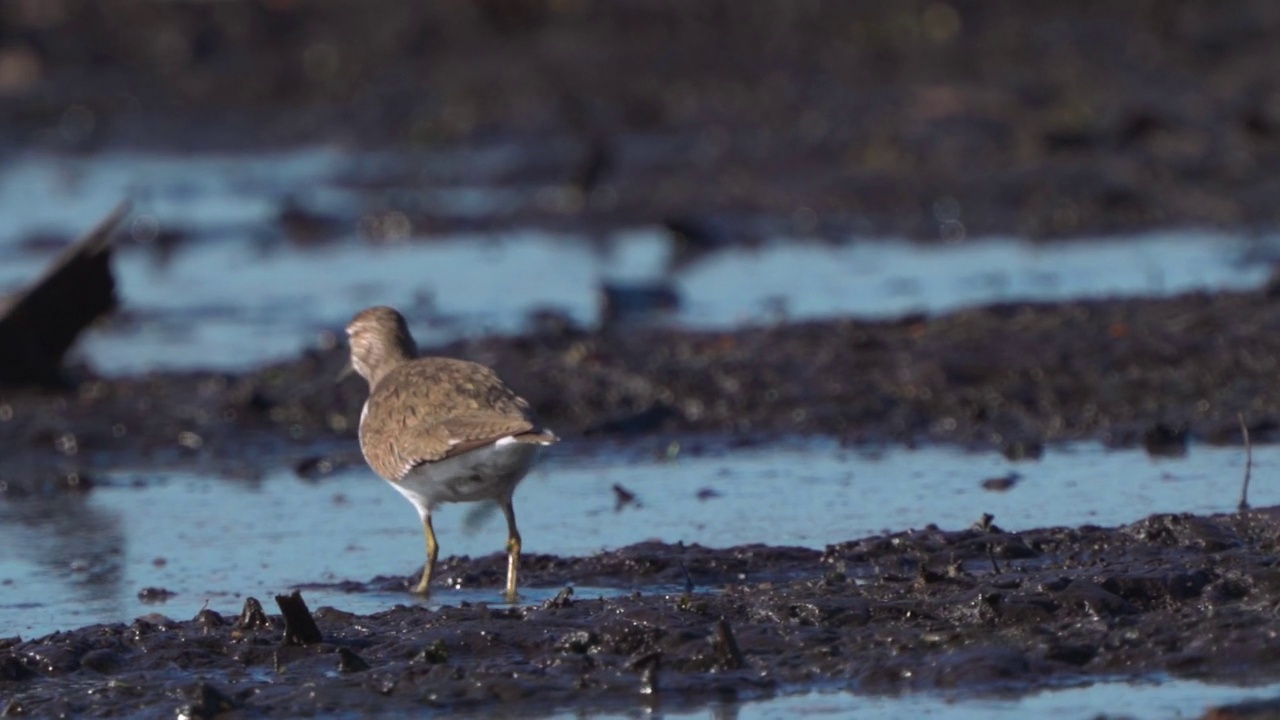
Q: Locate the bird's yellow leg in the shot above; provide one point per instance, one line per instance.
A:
(513, 549)
(432, 551)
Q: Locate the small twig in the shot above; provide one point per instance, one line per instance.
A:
(727, 646)
(1248, 463)
(688, 579)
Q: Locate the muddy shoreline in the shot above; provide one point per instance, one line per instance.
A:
(971, 611)
(1152, 372)
(933, 121)
(976, 610)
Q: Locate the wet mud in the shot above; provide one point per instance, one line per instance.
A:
(977, 610)
(930, 120)
(1151, 372)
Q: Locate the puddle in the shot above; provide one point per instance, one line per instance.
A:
(236, 294)
(1154, 699)
(1160, 700)
(77, 561)
(232, 305)
(887, 278)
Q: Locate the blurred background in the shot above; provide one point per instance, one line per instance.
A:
(1011, 117)
(484, 164)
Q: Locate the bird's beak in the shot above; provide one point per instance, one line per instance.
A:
(347, 371)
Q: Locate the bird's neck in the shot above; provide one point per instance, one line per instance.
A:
(392, 357)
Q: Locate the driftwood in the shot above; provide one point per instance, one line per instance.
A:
(39, 325)
(299, 627)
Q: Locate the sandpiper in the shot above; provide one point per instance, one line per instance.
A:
(440, 429)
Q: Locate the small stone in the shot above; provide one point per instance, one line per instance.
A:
(349, 662)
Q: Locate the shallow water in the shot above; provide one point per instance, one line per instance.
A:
(79, 560)
(235, 293)
(213, 541)
(229, 304)
(1152, 700)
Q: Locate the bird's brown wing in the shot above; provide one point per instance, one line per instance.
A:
(442, 408)
(439, 388)
(458, 435)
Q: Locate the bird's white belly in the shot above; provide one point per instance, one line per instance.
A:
(488, 473)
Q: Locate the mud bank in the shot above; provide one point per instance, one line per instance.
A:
(1014, 377)
(976, 610)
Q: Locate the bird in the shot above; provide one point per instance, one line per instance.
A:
(441, 430)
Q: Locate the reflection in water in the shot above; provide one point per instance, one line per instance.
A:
(78, 548)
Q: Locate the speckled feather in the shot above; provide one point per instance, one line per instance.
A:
(432, 408)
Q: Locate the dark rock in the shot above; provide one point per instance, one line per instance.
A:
(155, 595)
(1163, 440)
(205, 701)
(1001, 483)
(349, 662)
(252, 617)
